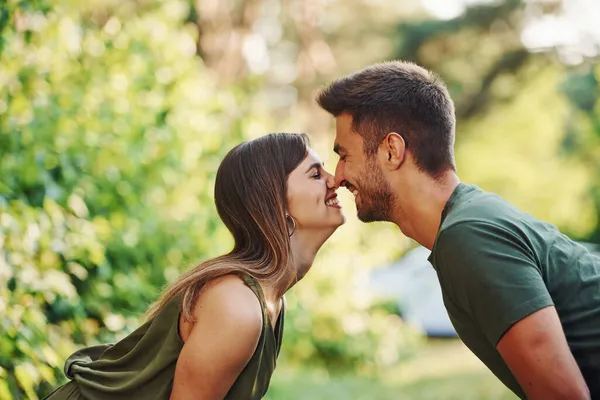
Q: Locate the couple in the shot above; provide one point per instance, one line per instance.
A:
(522, 296)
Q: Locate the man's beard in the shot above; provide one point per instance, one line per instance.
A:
(376, 198)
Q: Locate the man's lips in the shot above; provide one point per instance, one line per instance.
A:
(351, 188)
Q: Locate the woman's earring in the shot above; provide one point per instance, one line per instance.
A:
(287, 219)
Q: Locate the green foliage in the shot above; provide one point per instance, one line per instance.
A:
(581, 89)
(108, 145)
(582, 137)
(111, 130)
(334, 322)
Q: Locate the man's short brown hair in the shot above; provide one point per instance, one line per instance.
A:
(399, 97)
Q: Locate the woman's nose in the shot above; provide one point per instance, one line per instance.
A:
(330, 179)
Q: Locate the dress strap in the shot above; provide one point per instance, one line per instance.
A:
(253, 284)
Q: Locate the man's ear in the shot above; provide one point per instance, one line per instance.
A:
(392, 151)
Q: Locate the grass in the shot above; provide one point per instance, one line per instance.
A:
(444, 369)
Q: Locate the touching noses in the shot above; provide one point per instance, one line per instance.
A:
(339, 175)
(330, 180)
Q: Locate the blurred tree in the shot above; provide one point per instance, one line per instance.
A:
(582, 128)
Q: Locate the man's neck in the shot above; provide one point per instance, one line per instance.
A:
(419, 210)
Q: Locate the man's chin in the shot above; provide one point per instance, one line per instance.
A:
(368, 215)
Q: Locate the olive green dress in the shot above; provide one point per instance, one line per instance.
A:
(142, 365)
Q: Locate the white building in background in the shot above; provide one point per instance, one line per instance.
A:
(413, 283)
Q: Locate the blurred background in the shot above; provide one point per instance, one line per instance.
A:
(114, 116)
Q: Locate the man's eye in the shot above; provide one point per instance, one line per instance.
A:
(343, 158)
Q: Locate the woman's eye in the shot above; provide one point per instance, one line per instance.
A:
(317, 175)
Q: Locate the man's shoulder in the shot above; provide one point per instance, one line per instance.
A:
(478, 207)
(480, 225)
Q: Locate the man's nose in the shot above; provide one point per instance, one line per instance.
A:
(339, 177)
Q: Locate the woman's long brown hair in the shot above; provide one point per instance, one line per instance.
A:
(250, 196)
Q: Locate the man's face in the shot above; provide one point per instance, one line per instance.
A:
(360, 174)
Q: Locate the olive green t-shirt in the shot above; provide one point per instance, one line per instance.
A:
(497, 265)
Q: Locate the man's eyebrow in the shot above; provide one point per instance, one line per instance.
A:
(315, 165)
(337, 148)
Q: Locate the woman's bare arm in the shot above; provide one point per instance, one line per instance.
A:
(221, 341)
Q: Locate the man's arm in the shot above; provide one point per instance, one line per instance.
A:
(536, 351)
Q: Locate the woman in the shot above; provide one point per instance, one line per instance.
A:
(216, 331)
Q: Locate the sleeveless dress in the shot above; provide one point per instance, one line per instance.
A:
(142, 365)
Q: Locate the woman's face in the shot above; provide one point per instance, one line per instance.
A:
(312, 200)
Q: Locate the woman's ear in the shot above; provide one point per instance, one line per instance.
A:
(291, 224)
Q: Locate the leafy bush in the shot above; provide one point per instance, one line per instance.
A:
(111, 130)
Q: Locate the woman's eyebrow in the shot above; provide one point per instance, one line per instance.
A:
(315, 165)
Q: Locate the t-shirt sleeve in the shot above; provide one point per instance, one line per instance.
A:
(491, 274)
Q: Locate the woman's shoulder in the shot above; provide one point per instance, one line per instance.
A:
(228, 314)
(231, 287)
(231, 298)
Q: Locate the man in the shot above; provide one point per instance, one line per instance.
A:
(521, 295)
